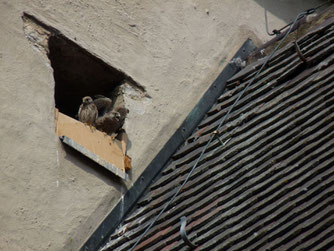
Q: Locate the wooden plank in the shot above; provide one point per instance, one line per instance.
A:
(101, 148)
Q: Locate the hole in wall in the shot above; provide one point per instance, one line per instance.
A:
(77, 73)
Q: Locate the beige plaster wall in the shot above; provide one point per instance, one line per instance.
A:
(51, 198)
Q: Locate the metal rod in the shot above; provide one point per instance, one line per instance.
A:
(275, 32)
(217, 136)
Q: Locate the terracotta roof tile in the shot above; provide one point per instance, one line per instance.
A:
(271, 186)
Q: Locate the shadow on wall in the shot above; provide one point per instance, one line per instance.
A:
(89, 166)
(287, 10)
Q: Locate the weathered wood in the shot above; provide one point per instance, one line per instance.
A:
(101, 148)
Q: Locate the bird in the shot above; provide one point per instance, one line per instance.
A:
(103, 104)
(88, 111)
(113, 121)
(120, 114)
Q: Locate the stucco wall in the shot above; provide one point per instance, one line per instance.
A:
(52, 198)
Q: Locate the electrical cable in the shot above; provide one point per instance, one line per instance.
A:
(278, 32)
(213, 135)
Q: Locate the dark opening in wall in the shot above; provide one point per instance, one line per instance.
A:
(77, 74)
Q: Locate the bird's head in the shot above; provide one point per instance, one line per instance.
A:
(122, 111)
(117, 115)
(87, 100)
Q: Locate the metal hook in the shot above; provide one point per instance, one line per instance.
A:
(184, 233)
(275, 32)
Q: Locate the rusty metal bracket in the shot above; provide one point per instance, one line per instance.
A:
(299, 53)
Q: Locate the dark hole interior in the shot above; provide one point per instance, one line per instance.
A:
(78, 73)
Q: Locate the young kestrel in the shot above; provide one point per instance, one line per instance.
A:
(88, 112)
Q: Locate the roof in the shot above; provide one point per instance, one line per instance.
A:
(270, 185)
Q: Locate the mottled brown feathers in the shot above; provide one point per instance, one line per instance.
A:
(87, 111)
(100, 114)
(103, 104)
(112, 121)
